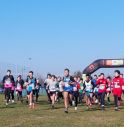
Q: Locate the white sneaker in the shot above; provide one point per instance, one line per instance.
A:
(13, 101)
(73, 103)
(7, 104)
(96, 101)
(75, 108)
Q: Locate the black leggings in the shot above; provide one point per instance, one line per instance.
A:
(102, 98)
(48, 95)
(7, 94)
(37, 94)
(12, 94)
(116, 99)
(75, 97)
(60, 95)
(19, 95)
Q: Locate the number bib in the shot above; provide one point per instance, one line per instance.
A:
(66, 84)
(18, 86)
(102, 87)
(117, 86)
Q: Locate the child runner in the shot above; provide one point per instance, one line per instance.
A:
(52, 90)
(76, 86)
(88, 87)
(37, 89)
(60, 89)
(81, 92)
(95, 92)
(46, 82)
(8, 82)
(12, 92)
(102, 84)
(19, 87)
(117, 89)
(30, 83)
(57, 90)
(108, 90)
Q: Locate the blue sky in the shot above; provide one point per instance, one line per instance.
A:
(60, 33)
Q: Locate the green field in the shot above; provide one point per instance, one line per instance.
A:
(18, 115)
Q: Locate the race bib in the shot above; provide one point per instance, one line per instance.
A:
(18, 86)
(101, 87)
(88, 88)
(7, 82)
(117, 86)
(66, 84)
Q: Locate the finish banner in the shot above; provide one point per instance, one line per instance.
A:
(103, 63)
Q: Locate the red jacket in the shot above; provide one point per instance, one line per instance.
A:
(102, 83)
(117, 86)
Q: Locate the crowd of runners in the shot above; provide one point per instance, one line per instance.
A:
(73, 90)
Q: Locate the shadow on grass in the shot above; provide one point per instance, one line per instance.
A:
(7, 107)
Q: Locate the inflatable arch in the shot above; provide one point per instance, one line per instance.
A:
(103, 63)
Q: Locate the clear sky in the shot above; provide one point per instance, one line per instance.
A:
(60, 33)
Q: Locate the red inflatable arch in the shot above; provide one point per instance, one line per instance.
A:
(103, 63)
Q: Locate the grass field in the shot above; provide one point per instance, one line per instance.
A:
(18, 115)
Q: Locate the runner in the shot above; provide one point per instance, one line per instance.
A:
(60, 89)
(122, 76)
(95, 92)
(95, 78)
(88, 87)
(102, 84)
(81, 91)
(68, 81)
(37, 89)
(12, 92)
(117, 89)
(108, 90)
(52, 90)
(30, 84)
(8, 82)
(46, 83)
(57, 90)
(19, 87)
(76, 87)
